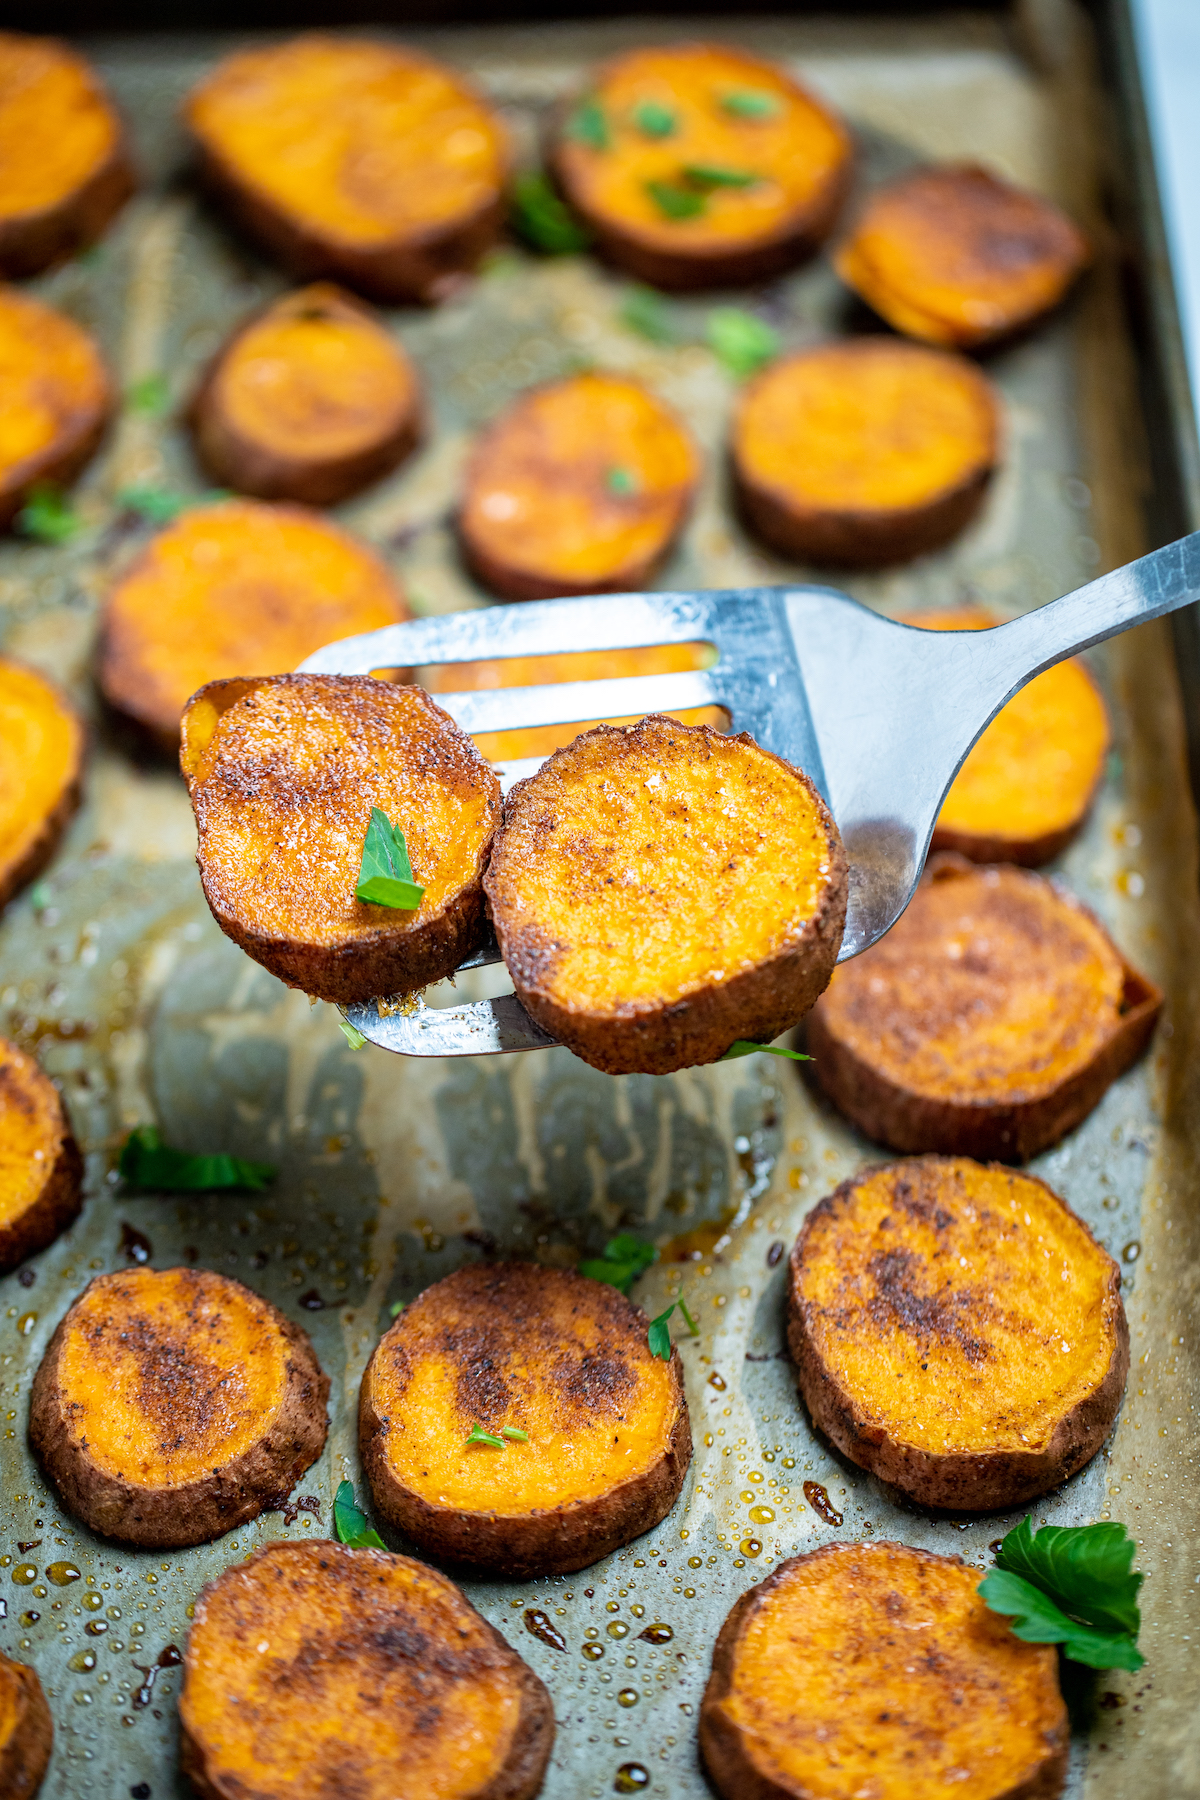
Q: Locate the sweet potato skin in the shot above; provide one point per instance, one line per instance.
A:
(198, 1511)
(252, 467)
(25, 1756)
(29, 862)
(82, 413)
(992, 1480)
(27, 1094)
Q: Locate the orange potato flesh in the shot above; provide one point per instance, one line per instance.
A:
(233, 589)
(26, 1731)
(876, 1670)
(541, 515)
(56, 396)
(167, 1374)
(357, 141)
(1032, 776)
(961, 1307)
(565, 1360)
(797, 153)
(57, 128)
(39, 1164)
(311, 1664)
(41, 753)
(954, 256)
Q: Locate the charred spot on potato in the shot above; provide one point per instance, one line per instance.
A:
(41, 1170)
(57, 398)
(42, 744)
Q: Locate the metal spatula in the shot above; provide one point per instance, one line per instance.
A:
(879, 715)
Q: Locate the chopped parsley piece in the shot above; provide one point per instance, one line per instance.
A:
(386, 877)
(621, 481)
(48, 516)
(544, 219)
(750, 103)
(150, 1165)
(645, 311)
(395, 1309)
(659, 1337)
(350, 1525)
(588, 124)
(655, 120)
(1071, 1585)
(743, 1047)
(159, 506)
(352, 1035)
(707, 176)
(151, 396)
(625, 1258)
(675, 201)
(740, 342)
(480, 1436)
(512, 1431)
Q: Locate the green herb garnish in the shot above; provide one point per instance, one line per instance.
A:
(352, 1035)
(544, 219)
(675, 201)
(744, 1047)
(621, 481)
(350, 1522)
(645, 311)
(149, 1164)
(159, 506)
(48, 516)
(740, 341)
(750, 103)
(395, 1309)
(588, 124)
(1071, 1585)
(655, 120)
(480, 1436)
(151, 396)
(659, 1337)
(512, 1431)
(625, 1258)
(707, 176)
(386, 877)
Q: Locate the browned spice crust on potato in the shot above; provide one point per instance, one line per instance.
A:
(57, 399)
(41, 1170)
(26, 1731)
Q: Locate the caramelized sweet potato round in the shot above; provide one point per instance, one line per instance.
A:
(578, 488)
(659, 890)
(1027, 786)
(309, 401)
(232, 589)
(988, 1022)
(174, 1404)
(41, 765)
(313, 1670)
(284, 774)
(41, 1170)
(697, 165)
(57, 398)
(355, 159)
(64, 161)
(564, 1360)
(876, 1669)
(955, 256)
(866, 452)
(957, 1330)
(26, 1731)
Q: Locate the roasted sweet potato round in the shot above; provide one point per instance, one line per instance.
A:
(866, 452)
(64, 161)
(234, 589)
(309, 401)
(988, 1022)
(876, 1669)
(957, 1330)
(355, 159)
(284, 775)
(1027, 786)
(579, 488)
(174, 1404)
(697, 165)
(955, 256)
(41, 765)
(659, 890)
(57, 398)
(26, 1731)
(543, 1352)
(313, 1670)
(41, 1170)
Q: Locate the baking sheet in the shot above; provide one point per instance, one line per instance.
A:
(395, 1172)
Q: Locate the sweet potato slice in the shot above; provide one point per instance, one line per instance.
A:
(57, 398)
(41, 1170)
(876, 1669)
(309, 401)
(354, 159)
(64, 161)
(955, 256)
(41, 765)
(988, 1022)
(697, 165)
(232, 589)
(1027, 787)
(313, 1670)
(578, 488)
(284, 774)
(865, 453)
(26, 1731)
(957, 1330)
(174, 1404)
(544, 1352)
(659, 890)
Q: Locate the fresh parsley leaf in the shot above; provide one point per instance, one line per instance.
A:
(740, 341)
(1070, 1585)
(659, 1336)
(40, 896)
(48, 516)
(675, 201)
(654, 120)
(621, 482)
(352, 1035)
(511, 1431)
(625, 1258)
(480, 1436)
(588, 124)
(159, 506)
(350, 1525)
(645, 311)
(688, 1320)
(149, 1165)
(544, 219)
(749, 103)
(151, 396)
(707, 176)
(396, 1308)
(385, 877)
(743, 1047)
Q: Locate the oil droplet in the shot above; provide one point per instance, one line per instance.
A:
(613, 1606)
(62, 1574)
(82, 1661)
(750, 1547)
(95, 1628)
(657, 1634)
(539, 1624)
(617, 1628)
(821, 1504)
(761, 1515)
(26, 1323)
(717, 1381)
(593, 1652)
(94, 1602)
(789, 1462)
(135, 1244)
(30, 1618)
(24, 1573)
(1131, 1252)
(774, 1254)
(627, 1697)
(631, 1778)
